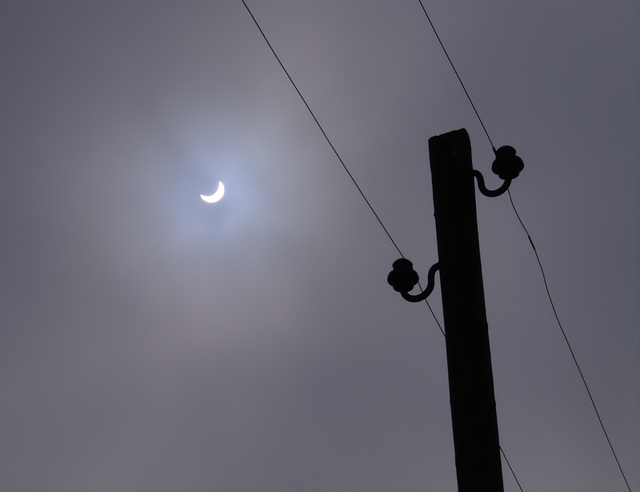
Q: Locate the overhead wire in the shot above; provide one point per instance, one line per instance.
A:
(455, 71)
(511, 469)
(323, 132)
(384, 228)
(584, 381)
(566, 339)
(544, 278)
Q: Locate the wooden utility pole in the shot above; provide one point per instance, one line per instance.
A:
(473, 408)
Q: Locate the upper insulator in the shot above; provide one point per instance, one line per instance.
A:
(403, 277)
(507, 164)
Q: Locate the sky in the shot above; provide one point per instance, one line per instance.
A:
(153, 342)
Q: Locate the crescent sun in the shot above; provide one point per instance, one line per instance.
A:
(216, 196)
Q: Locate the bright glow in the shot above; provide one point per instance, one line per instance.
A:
(216, 196)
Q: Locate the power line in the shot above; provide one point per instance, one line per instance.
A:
(457, 74)
(322, 130)
(511, 469)
(544, 278)
(432, 313)
(334, 150)
(566, 339)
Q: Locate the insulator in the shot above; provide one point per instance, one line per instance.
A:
(507, 164)
(403, 277)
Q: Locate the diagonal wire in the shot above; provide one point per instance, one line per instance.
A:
(457, 74)
(322, 130)
(334, 149)
(544, 278)
(511, 469)
(566, 339)
(432, 313)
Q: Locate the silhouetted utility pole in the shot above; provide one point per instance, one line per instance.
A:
(473, 408)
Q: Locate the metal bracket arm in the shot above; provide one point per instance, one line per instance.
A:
(427, 291)
(492, 193)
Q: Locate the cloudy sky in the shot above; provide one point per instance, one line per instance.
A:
(152, 342)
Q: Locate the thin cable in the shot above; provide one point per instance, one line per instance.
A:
(334, 150)
(434, 317)
(457, 75)
(432, 313)
(566, 339)
(512, 472)
(322, 130)
(544, 278)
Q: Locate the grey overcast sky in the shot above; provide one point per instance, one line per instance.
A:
(152, 342)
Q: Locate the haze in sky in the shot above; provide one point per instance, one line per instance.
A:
(152, 341)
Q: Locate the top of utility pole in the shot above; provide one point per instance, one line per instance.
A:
(473, 407)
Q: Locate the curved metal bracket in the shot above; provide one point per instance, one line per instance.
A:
(429, 289)
(492, 193)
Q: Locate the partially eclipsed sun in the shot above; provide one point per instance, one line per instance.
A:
(216, 196)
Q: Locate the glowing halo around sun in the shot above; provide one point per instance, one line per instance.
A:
(216, 196)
